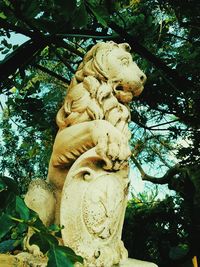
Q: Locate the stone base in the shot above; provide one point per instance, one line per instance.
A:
(136, 263)
(30, 260)
(24, 259)
(7, 260)
(127, 263)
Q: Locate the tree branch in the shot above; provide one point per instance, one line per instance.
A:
(164, 123)
(87, 34)
(157, 62)
(8, 26)
(157, 180)
(20, 57)
(24, 54)
(180, 37)
(61, 43)
(147, 127)
(63, 60)
(51, 73)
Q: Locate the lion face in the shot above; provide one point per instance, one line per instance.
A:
(125, 76)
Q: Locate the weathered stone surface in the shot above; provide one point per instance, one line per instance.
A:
(88, 168)
(23, 259)
(7, 260)
(96, 201)
(136, 263)
(30, 260)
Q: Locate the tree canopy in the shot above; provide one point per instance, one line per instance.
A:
(164, 37)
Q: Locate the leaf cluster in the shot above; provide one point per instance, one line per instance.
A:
(157, 230)
(16, 218)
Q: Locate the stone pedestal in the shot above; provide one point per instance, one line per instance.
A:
(25, 259)
(136, 263)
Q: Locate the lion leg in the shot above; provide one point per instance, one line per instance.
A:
(75, 140)
(40, 198)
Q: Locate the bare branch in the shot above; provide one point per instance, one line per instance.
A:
(164, 123)
(148, 127)
(157, 152)
(8, 26)
(87, 34)
(157, 180)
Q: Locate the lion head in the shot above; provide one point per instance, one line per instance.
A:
(105, 80)
(113, 63)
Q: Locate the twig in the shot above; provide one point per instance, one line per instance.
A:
(164, 123)
(64, 61)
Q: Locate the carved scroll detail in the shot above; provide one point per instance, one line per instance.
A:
(92, 210)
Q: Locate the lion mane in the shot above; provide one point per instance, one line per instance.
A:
(93, 92)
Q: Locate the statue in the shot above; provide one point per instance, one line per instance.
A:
(88, 169)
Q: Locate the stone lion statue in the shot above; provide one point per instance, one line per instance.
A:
(88, 168)
(95, 111)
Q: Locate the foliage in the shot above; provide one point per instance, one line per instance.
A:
(168, 43)
(164, 36)
(157, 230)
(26, 135)
(16, 218)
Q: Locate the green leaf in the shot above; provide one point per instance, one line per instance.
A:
(100, 13)
(9, 245)
(5, 51)
(15, 47)
(31, 8)
(178, 252)
(55, 228)
(8, 34)
(6, 44)
(2, 15)
(21, 228)
(44, 240)
(9, 203)
(3, 186)
(149, 20)
(66, 8)
(8, 191)
(22, 209)
(36, 222)
(57, 258)
(71, 254)
(6, 225)
(80, 17)
(10, 184)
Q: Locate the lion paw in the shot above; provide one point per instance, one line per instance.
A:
(113, 147)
